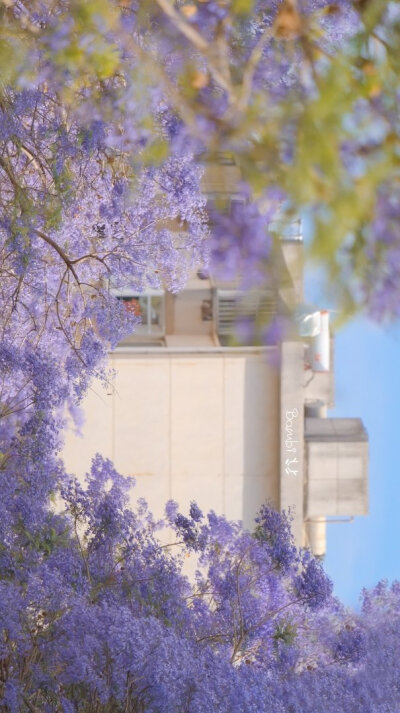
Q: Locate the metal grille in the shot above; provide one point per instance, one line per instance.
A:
(227, 314)
(233, 305)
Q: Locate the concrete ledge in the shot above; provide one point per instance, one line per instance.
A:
(158, 351)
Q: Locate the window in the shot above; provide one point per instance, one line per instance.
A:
(149, 306)
(241, 316)
(287, 229)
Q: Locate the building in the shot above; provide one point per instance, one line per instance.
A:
(196, 413)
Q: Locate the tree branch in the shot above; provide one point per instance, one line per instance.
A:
(197, 40)
(69, 263)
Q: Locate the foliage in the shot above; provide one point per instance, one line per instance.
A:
(99, 94)
(96, 614)
(75, 224)
(102, 147)
(139, 81)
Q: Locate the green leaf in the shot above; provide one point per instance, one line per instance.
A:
(155, 152)
(242, 7)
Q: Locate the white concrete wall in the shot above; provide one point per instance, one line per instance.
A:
(292, 435)
(188, 426)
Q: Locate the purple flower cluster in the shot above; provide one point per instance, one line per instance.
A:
(351, 644)
(313, 585)
(380, 277)
(240, 241)
(95, 613)
(273, 528)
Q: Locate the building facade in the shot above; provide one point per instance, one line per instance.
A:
(200, 411)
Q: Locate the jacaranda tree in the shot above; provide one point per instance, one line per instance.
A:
(97, 616)
(106, 104)
(108, 110)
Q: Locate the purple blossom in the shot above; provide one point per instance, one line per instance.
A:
(351, 644)
(195, 512)
(273, 528)
(95, 612)
(241, 243)
(313, 585)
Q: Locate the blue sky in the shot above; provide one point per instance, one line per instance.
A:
(367, 385)
(367, 371)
